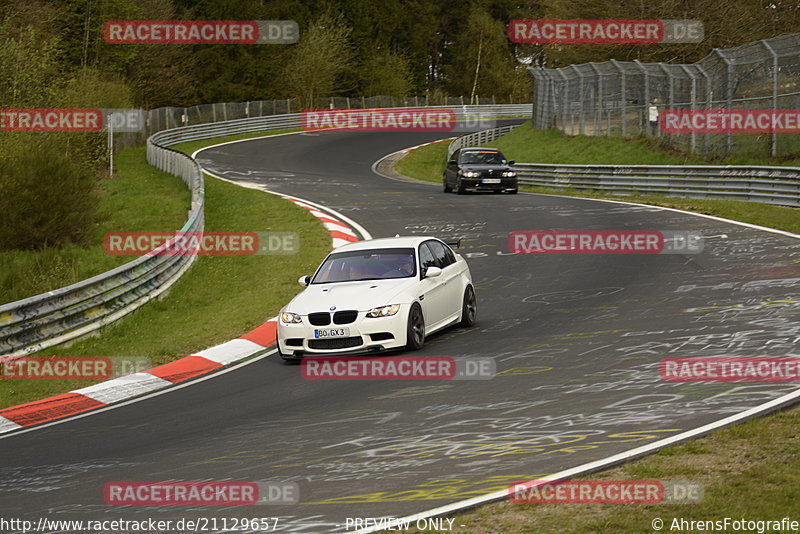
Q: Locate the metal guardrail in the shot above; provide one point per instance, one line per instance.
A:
(478, 138)
(35, 323)
(770, 185)
(51, 318)
(292, 121)
(701, 181)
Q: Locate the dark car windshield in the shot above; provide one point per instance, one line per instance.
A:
(482, 157)
(378, 264)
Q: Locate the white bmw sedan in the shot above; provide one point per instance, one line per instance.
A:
(377, 295)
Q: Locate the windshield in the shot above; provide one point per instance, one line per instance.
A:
(379, 264)
(483, 157)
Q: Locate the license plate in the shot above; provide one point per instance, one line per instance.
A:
(331, 332)
(491, 180)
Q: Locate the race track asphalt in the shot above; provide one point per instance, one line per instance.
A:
(576, 340)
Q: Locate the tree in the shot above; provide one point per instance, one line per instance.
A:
(483, 62)
(727, 24)
(28, 66)
(318, 61)
(384, 73)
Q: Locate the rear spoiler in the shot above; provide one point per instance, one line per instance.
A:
(456, 244)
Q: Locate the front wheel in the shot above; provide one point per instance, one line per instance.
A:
(460, 189)
(446, 188)
(469, 308)
(415, 331)
(513, 192)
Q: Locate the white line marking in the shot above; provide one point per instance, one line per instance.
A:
(598, 464)
(166, 390)
(712, 217)
(7, 425)
(123, 387)
(332, 227)
(230, 351)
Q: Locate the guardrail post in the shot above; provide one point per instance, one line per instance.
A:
(709, 100)
(545, 106)
(774, 148)
(554, 112)
(624, 91)
(671, 81)
(643, 119)
(599, 102)
(693, 104)
(582, 119)
(565, 113)
(731, 81)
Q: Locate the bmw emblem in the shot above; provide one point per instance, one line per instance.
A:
(333, 308)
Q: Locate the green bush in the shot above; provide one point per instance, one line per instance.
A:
(47, 193)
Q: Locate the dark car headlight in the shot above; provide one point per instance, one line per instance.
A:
(470, 174)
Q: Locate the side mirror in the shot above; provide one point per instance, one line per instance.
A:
(433, 272)
(511, 162)
(304, 280)
(452, 162)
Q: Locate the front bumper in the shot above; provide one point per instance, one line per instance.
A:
(365, 334)
(477, 184)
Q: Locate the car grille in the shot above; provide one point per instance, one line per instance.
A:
(319, 319)
(334, 343)
(345, 317)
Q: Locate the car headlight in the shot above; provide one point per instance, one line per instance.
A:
(471, 174)
(384, 311)
(290, 318)
(509, 174)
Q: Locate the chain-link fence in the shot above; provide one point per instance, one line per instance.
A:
(165, 118)
(620, 98)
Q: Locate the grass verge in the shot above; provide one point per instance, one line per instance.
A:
(218, 299)
(528, 145)
(138, 197)
(750, 470)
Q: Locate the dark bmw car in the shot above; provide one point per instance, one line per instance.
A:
(479, 169)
